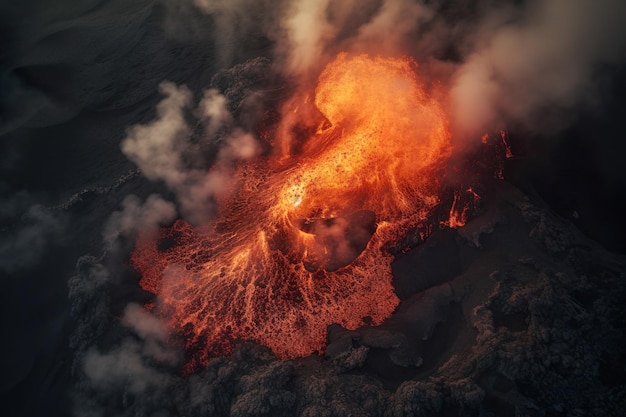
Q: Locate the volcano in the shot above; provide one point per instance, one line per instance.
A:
(298, 208)
(314, 255)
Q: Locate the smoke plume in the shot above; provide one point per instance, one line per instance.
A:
(536, 65)
(530, 63)
(23, 246)
(162, 149)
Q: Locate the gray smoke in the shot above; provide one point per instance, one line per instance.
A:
(135, 217)
(536, 65)
(162, 149)
(23, 245)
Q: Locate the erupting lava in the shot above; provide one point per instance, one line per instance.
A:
(301, 243)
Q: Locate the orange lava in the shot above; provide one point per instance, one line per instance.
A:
(505, 142)
(301, 242)
(461, 205)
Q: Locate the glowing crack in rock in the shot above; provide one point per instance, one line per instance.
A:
(301, 243)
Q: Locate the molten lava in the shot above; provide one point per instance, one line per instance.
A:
(301, 243)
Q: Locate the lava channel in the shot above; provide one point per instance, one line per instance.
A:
(301, 242)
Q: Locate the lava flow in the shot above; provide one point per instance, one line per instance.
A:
(301, 242)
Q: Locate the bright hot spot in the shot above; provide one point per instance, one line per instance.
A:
(301, 242)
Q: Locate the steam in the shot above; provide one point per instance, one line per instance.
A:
(317, 31)
(536, 60)
(23, 246)
(139, 365)
(393, 27)
(308, 32)
(163, 149)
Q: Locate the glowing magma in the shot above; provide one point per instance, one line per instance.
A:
(300, 243)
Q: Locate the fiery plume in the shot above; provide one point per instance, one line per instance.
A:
(301, 242)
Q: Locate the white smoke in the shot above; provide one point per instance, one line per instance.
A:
(137, 217)
(317, 30)
(155, 147)
(308, 33)
(163, 149)
(122, 366)
(213, 109)
(23, 247)
(393, 27)
(536, 66)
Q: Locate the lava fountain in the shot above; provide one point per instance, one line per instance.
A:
(302, 241)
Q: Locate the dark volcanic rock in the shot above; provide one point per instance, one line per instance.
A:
(427, 265)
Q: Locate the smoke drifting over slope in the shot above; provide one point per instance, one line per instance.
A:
(162, 150)
(545, 58)
(184, 91)
(504, 61)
